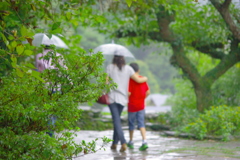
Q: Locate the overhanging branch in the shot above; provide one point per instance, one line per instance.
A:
(151, 35)
(227, 62)
(223, 9)
(210, 49)
(185, 64)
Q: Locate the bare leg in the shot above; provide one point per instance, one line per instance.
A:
(143, 133)
(131, 135)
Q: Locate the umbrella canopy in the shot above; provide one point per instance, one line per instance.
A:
(42, 38)
(109, 50)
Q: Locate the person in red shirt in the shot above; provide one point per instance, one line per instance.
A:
(136, 108)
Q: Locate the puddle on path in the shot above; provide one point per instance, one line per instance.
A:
(161, 148)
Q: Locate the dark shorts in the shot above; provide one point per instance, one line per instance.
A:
(139, 116)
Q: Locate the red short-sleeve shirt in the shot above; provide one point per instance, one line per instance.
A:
(137, 97)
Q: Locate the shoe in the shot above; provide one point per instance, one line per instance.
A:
(143, 147)
(130, 145)
(123, 148)
(113, 146)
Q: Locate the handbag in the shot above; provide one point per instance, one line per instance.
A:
(104, 99)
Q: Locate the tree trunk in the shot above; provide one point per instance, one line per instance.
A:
(203, 96)
(202, 85)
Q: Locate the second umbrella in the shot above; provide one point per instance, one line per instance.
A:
(111, 49)
(42, 38)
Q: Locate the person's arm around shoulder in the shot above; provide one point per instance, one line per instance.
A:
(130, 87)
(147, 93)
(138, 79)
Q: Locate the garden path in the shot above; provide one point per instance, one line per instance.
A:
(161, 148)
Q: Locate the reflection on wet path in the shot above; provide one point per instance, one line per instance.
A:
(161, 148)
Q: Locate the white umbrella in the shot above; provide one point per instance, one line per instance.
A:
(109, 50)
(42, 38)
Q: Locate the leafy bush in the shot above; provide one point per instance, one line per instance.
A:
(180, 118)
(27, 98)
(219, 121)
(27, 103)
(225, 91)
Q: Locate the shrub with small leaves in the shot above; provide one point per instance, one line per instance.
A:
(218, 121)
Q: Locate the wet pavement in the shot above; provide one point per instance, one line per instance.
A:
(148, 109)
(160, 148)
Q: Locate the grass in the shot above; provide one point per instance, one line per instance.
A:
(105, 113)
(108, 113)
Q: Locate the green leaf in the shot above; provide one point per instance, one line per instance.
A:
(2, 51)
(129, 2)
(14, 65)
(33, 7)
(74, 22)
(14, 59)
(11, 37)
(30, 65)
(56, 25)
(23, 31)
(14, 44)
(58, 30)
(4, 38)
(37, 75)
(28, 52)
(68, 15)
(19, 72)
(20, 49)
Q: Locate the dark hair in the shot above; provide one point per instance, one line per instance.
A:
(135, 67)
(47, 47)
(119, 61)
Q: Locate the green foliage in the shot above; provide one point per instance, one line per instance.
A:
(219, 121)
(23, 19)
(90, 147)
(198, 19)
(27, 104)
(227, 89)
(202, 62)
(27, 98)
(178, 118)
